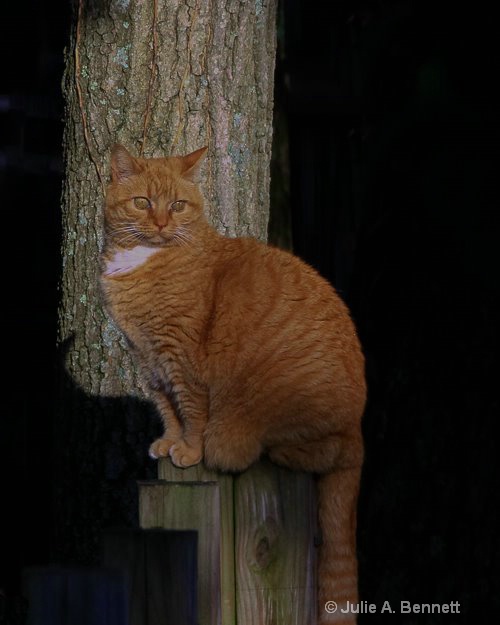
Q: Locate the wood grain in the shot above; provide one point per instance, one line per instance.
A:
(275, 552)
(267, 537)
(167, 471)
(193, 506)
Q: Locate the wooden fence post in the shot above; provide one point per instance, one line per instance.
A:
(201, 500)
(256, 553)
(275, 552)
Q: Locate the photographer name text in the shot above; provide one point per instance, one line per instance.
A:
(401, 607)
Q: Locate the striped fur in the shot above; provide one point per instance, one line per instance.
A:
(245, 349)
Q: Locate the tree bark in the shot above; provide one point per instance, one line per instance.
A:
(162, 77)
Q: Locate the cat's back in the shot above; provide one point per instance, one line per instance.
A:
(268, 299)
(264, 278)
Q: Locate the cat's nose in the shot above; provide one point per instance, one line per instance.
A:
(160, 226)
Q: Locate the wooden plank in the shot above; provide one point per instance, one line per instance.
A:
(167, 471)
(225, 482)
(161, 570)
(193, 506)
(275, 553)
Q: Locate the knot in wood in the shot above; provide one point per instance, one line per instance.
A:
(262, 552)
(265, 543)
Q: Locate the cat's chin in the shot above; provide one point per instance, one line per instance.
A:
(158, 241)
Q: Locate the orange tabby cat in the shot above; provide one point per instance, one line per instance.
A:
(245, 349)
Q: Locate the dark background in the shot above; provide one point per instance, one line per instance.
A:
(388, 121)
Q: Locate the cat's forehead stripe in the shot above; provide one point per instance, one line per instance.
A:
(161, 186)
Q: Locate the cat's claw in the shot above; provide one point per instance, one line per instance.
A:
(160, 448)
(185, 456)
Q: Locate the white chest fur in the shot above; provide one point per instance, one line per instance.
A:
(128, 260)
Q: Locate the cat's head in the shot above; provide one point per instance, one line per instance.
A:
(153, 202)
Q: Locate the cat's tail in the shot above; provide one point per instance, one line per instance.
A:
(337, 568)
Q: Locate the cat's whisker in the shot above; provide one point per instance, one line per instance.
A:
(122, 230)
(125, 224)
(129, 238)
(131, 232)
(179, 240)
(183, 236)
(127, 233)
(185, 232)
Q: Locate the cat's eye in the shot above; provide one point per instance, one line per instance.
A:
(142, 203)
(178, 206)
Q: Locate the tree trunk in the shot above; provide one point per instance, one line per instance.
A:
(162, 77)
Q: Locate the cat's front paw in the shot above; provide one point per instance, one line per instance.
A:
(160, 448)
(183, 455)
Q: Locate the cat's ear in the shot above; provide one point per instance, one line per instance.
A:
(123, 164)
(191, 164)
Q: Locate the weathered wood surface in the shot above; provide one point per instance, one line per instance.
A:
(267, 530)
(194, 506)
(167, 471)
(275, 551)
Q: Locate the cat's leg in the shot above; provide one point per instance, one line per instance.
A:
(321, 455)
(232, 440)
(192, 406)
(173, 429)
